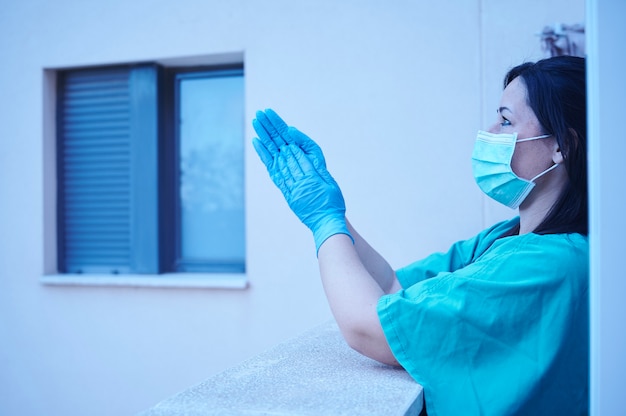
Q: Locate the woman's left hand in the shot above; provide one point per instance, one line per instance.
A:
(311, 192)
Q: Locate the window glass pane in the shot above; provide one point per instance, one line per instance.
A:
(211, 140)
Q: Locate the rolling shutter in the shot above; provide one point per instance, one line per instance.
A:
(107, 147)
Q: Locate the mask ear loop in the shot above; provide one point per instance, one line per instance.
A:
(544, 172)
(545, 136)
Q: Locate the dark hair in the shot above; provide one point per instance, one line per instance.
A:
(556, 92)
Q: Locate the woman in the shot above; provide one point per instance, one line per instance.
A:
(498, 324)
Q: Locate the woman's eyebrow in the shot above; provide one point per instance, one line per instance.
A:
(501, 109)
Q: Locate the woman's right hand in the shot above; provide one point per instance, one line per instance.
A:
(274, 132)
(311, 192)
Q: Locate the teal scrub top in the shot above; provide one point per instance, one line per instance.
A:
(496, 326)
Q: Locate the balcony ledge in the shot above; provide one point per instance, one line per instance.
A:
(313, 374)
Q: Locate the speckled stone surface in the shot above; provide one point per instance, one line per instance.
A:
(313, 374)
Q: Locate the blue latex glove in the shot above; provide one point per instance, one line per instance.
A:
(274, 132)
(297, 167)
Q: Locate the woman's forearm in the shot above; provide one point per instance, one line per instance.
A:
(375, 264)
(353, 295)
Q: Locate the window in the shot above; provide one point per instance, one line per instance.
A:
(150, 170)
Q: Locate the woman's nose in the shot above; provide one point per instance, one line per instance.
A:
(494, 128)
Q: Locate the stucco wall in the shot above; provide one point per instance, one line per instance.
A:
(393, 91)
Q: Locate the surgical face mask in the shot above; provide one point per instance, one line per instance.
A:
(491, 163)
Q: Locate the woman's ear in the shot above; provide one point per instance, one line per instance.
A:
(557, 156)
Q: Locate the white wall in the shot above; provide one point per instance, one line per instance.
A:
(393, 91)
(607, 147)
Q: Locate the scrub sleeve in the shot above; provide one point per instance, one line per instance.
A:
(496, 326)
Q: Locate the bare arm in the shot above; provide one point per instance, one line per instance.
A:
(353, 294)
(374, 263)
(354, 276)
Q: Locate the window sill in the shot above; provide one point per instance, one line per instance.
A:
(169, 280)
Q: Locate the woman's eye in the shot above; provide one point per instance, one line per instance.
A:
(505, 122)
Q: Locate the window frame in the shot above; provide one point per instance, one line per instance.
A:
(163, 278)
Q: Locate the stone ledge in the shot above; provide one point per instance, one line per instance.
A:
(313, 374)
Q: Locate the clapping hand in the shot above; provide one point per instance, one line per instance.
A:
(296, 165)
